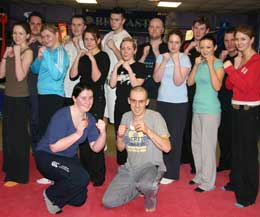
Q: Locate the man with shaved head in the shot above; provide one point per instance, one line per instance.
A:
(147, 54)
(144, 135)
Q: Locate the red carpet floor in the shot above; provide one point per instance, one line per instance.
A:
(175, 200)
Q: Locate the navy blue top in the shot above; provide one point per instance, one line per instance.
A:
(60, 126)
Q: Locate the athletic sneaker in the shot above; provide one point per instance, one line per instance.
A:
(44, 181)
(166, 181)
(53, 209)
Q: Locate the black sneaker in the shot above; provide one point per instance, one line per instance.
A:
(199, 190)
(228, 187)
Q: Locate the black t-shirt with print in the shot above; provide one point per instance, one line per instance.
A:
(123, 86)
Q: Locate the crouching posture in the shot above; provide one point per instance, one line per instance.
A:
(143, 133)
(56, 153)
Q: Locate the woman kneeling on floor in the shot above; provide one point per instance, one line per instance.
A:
(56, 154)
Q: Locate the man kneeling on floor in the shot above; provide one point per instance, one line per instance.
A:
(144, 134)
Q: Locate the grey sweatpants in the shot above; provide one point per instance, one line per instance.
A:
(204, 143)
(130, 183)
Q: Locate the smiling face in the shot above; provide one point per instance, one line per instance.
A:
(174, 43)
(84, 100)
(127, 50)
(49, 39)
(138, 102)
(90, 42)
(207, 48)
(243, 42)
(19, 35)
(77, 26)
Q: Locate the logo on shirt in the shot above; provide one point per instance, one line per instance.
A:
(244, 70)
(136, 141)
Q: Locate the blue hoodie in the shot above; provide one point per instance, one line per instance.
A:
(52, 68)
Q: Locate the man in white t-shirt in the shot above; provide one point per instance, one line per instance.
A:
(72, 46)
(111, 45)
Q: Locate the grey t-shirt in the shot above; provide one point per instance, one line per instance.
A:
(139, 146)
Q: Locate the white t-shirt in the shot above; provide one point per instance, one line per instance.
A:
(72, 53)
(117, 38)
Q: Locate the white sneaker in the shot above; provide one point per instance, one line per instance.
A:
(44, 181)
(166, 181)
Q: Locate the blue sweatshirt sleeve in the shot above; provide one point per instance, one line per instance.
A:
(59, 67)
(35, 67)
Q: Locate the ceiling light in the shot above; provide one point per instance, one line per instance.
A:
(87, 1)
(169, 4)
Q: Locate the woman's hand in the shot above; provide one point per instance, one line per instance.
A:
(90, 56)
(17, 50)
(210, 60)
(238, 60)
(8, 52)
(175, 56)
(126, 65)
(119, 63)
(81, 126)
(101, 125)
(166, 57)
(40, 52)
(227, 64)
(198, 60)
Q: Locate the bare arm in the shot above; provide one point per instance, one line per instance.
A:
(22, 63)
(66, 142)
(159, 68)
(99, 144)
(160, 142)
(95, 73)
(134, 81)
(7, 53)
(120, 137)
(74, 68)
(216, 76)
(116, 51)
(191, 78)
(192, 45)
(180, 73)
(145, 54)
(113, 78)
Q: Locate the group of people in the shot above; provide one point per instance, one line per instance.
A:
(170, 102)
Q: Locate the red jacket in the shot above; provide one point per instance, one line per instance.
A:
(245, 81)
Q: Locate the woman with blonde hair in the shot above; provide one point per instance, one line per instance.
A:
(126, 74)
(51, 65)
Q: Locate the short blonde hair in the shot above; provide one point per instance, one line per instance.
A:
(132, 40)
(50, 27)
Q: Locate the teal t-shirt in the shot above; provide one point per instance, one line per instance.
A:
(206, 97)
